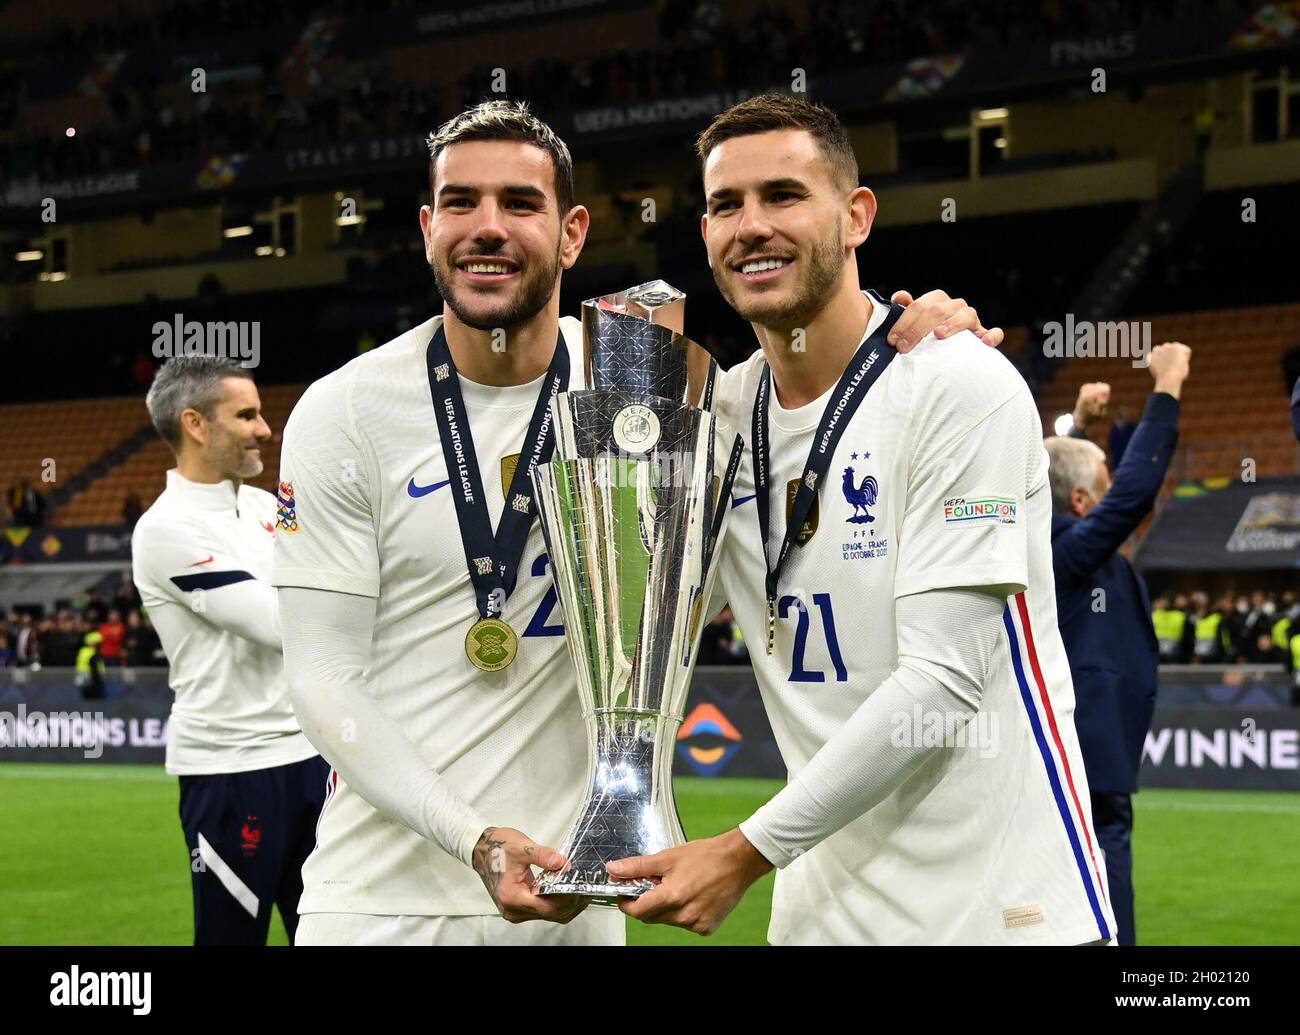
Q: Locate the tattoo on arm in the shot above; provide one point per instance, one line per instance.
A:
(489, 861)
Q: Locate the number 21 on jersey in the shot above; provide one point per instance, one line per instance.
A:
(822, 601)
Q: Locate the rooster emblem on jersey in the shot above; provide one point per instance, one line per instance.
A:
(860, 497)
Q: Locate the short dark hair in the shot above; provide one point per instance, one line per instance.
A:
(188, 383)
(506, 120)
(773, 111)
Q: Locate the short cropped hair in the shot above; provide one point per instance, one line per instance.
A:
(506, 120)
(188, 383)
(1073, 461)
(773, 111)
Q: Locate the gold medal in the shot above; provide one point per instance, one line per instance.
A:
(491, 644)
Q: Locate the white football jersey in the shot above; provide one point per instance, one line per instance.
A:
(939, 481)
(232, 712)
(365, 508)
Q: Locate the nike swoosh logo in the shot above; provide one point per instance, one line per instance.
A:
(206, 560)
(416, 491)
(742, 501)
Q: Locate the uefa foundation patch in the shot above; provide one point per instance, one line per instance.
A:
(286, 509)
(991, 510)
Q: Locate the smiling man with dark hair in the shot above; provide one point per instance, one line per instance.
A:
(904, 640)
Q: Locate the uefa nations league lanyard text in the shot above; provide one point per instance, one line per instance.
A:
(868, 363)
(493, 560)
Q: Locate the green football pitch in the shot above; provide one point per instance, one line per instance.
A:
(95, 857)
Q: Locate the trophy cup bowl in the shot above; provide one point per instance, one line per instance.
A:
(627, 506)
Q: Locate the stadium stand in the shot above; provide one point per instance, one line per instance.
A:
(1233, 408)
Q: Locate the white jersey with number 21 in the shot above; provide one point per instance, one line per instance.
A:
(938, 482)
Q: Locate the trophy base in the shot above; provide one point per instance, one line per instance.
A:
(629, 810)
(592, 883)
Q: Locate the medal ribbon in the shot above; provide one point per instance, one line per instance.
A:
(868, 363)
(492, 559)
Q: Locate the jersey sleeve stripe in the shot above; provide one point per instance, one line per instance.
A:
(1049, 763)
(209, 580)
(1041, 684)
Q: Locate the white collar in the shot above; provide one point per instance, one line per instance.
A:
(217, 496)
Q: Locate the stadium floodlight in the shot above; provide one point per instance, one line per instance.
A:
(989, 114)
(53, 278)
(1063, 424)
(264, 249)
(35, 255)
(350, 220)
(237, 231)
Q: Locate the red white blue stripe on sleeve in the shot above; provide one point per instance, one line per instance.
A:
(331, 786)
(1038, 706)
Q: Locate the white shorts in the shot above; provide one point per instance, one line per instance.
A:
(596, 925)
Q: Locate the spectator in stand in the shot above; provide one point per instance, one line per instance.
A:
(1263, 651)
(1237, 627)
(143, 646)
(63, 640)
(91, 607)
(1285, 631)
(113, 633)
(1103, 609)
(126, 598)
(6, 651)
(27, 505)
(1253, 625)
(27, 650)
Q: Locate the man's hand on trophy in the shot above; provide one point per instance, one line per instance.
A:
(935, 311)
(504, 859)
(698, 883)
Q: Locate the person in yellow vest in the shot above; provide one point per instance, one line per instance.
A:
(1170, 624)
(1295, 671)
(90, 667)
(1286, 637)
(1212, 645)
(1282, 632)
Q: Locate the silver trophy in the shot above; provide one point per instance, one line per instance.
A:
(628, 508)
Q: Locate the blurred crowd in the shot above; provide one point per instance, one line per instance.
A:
(1259, 628)
(93, 634)
(698, 50)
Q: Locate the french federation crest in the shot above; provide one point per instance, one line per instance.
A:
(860, 496)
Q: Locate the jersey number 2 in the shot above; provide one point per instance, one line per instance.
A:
(799, 674)
(538, 626)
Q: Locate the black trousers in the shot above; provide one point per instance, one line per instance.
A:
(1112, 816)
(248, 836)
